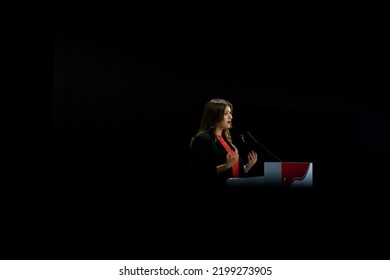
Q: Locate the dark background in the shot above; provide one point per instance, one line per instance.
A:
(120, 104)
(135, 101)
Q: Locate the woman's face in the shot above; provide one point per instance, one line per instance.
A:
(227, 119)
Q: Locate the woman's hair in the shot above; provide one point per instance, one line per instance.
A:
(213, 113)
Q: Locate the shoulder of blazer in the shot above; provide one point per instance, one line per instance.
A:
(205, 136)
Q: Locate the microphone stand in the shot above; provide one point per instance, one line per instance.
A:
(250, 135)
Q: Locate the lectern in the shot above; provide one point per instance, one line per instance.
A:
(279, 174)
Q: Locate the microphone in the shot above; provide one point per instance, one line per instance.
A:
(242, 138)
(250, 135)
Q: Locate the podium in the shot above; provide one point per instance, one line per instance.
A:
(279, 174)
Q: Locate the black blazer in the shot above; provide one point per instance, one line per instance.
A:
(206, 154)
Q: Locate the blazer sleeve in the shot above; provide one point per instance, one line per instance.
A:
(202, 156)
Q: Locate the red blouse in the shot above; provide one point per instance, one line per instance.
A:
(235, 167)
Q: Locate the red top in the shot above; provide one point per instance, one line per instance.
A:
(235, 167)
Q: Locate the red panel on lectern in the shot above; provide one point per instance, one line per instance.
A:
(292, 171)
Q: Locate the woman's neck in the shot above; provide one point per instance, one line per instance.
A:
(218, 132)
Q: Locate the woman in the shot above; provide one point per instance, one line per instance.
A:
(214, 158)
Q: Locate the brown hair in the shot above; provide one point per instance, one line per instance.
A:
(213, 113)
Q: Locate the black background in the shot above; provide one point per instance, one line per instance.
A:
(119, 103)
